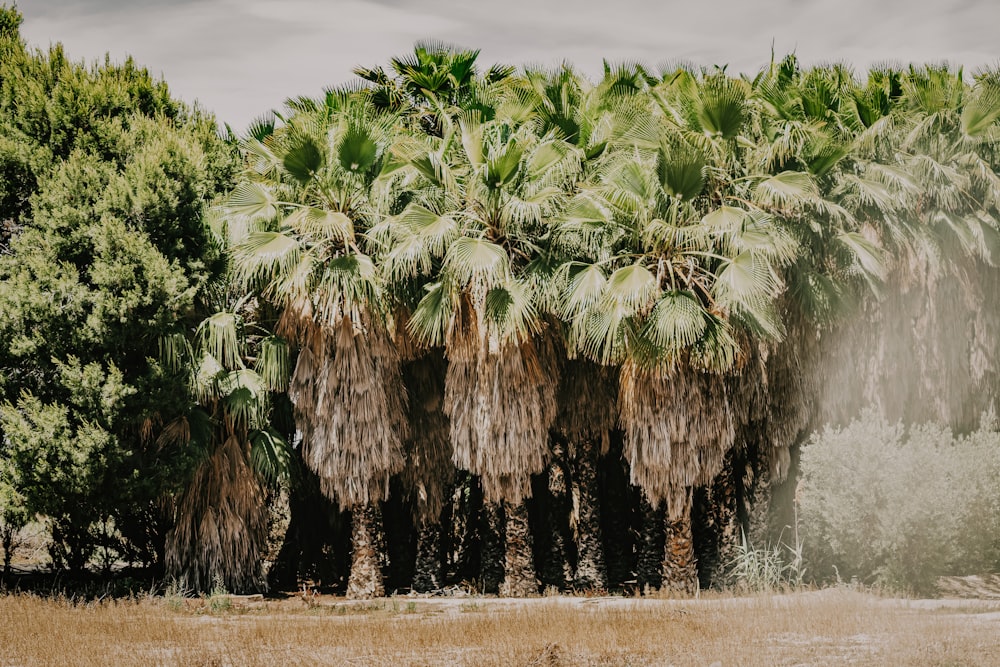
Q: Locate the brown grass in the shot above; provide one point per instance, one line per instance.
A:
(821, 628)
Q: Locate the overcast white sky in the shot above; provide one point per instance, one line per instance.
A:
(240, 58)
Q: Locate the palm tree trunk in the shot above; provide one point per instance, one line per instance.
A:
(278, 522)
(650, 563)
(427, 571)
(491, 567)
(759, 504)
(680, 571)
(722, 524)
(366, 580)
(591, 571)
(519, 567)
(619, 528)
(556, 569)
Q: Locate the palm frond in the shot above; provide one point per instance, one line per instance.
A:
(251, 201)
(676, 321)
(273, 363)
(789, 188)
(219, 336)
(510, 311)
(303, 160)
(476, 261)
(271, 456)
(634, 287)
(266, 257)
(431, 318)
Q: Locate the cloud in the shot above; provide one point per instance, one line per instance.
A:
(240, 58)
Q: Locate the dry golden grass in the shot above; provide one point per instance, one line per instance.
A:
(822, 628)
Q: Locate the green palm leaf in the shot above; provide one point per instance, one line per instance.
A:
(244, 398)
(747, 287)
(270, 456)
(869, 257)
(502, 167)
(205, 379)
(356, 151)
(725, 219)
(982, 111)
(585, 287)
(273, 364)
(266, 256)
(510, 310)
(472, 260)
(633, 286)
(320, 224)
(722, 107)
(219, 336)
(303, 161)
(435, 231)
(789, 188)
(432, 316)
(175, 351)
(681, 173)
(251, 201)
(677, 321)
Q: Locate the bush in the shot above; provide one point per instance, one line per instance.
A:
(899, 507)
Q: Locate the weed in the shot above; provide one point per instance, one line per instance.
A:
(218, 599)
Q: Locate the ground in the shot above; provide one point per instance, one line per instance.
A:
(820, 628)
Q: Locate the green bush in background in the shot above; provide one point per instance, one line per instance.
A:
(899, 507)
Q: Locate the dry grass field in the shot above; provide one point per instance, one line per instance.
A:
(832, 627)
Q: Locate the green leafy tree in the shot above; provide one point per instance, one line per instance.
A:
(107, 250)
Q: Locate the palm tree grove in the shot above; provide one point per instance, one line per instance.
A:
(511, 330)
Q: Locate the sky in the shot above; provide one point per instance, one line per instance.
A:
(240, 58)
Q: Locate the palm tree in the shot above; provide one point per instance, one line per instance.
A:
(944, 134)
(299, 216)
(681, 276)
(430, 82)
(489, 189)
(593, 118)
(221, 518)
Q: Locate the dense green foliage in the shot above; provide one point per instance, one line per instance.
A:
(500, 272)
(105, 182)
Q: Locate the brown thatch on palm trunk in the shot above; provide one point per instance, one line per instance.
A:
(351, 408)
(501, 403)
(429, 472)
(500, 400)
(792, 372)
(678, 427)
(221, 529)
(350, 405)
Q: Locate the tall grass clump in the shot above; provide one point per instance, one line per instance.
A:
(771, 568)
(899, 506)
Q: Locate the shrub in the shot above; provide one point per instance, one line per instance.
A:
(899, 507)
